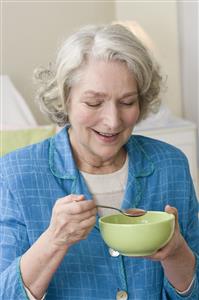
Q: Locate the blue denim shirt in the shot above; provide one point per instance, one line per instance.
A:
(33, 178)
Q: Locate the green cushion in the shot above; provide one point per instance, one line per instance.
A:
(13, 139)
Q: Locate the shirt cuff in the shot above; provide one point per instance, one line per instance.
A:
(27, 292)
(30, 296)
(187, 291)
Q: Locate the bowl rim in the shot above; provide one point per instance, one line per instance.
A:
(170, 217)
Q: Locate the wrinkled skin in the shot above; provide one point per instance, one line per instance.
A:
(175, 242)
(73, 217)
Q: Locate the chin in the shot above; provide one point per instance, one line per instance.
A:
(106, 155)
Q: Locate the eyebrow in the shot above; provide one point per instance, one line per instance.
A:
(99, 94)
(94, 93)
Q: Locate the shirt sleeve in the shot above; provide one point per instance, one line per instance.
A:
(13, 243)
(192, 238)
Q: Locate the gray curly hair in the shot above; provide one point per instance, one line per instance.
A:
(107, 42)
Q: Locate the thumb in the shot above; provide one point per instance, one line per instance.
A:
(76, 198)
(172, 210)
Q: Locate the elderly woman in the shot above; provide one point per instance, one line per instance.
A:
(105, 83)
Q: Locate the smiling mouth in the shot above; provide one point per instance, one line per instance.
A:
(105, 134)
(107, 137)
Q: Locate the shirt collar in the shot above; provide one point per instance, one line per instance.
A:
(62, 163)
(140, 164)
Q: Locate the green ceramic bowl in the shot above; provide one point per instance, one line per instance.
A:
(137, 236)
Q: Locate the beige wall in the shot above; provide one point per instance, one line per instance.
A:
(33, 31)
(159, 21)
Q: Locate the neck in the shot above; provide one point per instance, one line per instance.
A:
(99, 166)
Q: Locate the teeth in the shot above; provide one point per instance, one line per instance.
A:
(107, 134)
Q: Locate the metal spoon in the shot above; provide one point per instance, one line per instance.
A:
(131, 212)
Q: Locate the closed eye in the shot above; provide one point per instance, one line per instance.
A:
(93, 104)
(129, 103)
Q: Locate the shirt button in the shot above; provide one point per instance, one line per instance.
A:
(121, 295)
(113, 253)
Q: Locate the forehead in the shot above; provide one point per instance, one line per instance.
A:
(108, 77)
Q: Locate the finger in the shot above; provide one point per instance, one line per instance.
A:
(172, 210)
(85, 215)
(75, 209)
(88, 223)
(76, 218)
(77, 198)
(75, 229)
(70, 198)
(74, 199)
(159, 255)
(81, 207)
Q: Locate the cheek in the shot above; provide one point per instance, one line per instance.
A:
(132, 117)
(82, 118)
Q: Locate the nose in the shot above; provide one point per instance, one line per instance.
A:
(111, 116)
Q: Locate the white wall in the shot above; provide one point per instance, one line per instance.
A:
(188, 34)
(159, 21)
(32, 32)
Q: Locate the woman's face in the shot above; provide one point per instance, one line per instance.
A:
(103, 110)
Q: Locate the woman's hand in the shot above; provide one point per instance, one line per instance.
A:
(72, 219)
(177, 259)
(173, 246)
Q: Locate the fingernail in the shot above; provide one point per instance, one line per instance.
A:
(167, 206)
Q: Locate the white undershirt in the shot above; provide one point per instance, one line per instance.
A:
(108, 189)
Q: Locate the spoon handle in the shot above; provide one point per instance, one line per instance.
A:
(110, 207)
